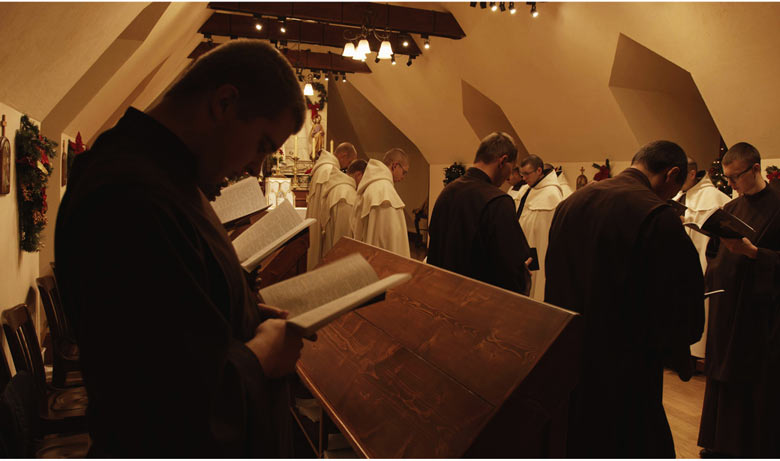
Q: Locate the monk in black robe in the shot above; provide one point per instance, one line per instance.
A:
(473, 229)
(618, 255)
(741, 412)
(178, 358)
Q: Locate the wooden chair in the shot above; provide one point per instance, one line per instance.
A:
(65, 357)
(60, 410)
(20, 431)
(5, 370)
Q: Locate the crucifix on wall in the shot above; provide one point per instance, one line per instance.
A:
(5, 160)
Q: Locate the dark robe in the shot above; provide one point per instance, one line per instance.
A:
(618, 255)
(741, 412)
(159, 303)
(474, 232)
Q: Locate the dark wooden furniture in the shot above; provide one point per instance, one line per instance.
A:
(300, 197)
(5, 370)
(65, 356)
(21, 432)
(445, 367)
(288, 261)
(60, 410)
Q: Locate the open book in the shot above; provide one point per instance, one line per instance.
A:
(239, 200)
(720, 223)
(268, 234)
(320, 296)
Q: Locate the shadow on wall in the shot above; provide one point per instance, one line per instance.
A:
(660, 100)
(353, 118)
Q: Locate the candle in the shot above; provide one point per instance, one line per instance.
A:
(331, 146)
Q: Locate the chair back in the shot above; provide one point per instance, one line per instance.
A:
(19, 412)
(55, 315)
(23, 343)
(5, 370)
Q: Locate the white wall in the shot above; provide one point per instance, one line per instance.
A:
(18, 269)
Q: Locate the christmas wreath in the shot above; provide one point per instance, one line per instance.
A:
(33, 168)
(453, 172)
(314, 108)
(772, 173)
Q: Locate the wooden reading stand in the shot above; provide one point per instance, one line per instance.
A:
(445, 367)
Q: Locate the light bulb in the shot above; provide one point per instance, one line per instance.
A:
(308, 90)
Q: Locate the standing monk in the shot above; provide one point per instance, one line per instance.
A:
(535, 212)
(177, 356)
(379, 218)
(619, 256)
(741, 413)
(326, 174)
(473, 229)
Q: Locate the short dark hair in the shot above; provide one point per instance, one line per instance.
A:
(742, 151)
(396, 154)
(265, 80)
(658, 156)
(534, 161)
(357, 165)
(494, 146)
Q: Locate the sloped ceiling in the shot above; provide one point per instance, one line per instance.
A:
(549, 76)
(45, 48)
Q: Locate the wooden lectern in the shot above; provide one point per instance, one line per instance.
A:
(445, 367)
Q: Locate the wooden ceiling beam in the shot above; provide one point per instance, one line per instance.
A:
(306, 32)
(305, 59)
(392, 17)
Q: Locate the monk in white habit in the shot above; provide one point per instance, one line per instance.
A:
(701, 196)
(379, 212)
(535, 208)
(325, 174)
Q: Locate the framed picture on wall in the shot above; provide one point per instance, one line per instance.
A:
(5, 160)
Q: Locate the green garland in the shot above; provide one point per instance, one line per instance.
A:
(319, 88)
(33, 168)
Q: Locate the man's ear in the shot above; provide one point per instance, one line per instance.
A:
(672, 174)
(223, 99)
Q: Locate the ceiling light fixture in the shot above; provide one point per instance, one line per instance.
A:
(512, 9)
(327, 76)
(427, 43)
(344, 77)
(283, 27)
(502, 6)
(392, 60)
(483, 5)
(363, 47)
(493, 6)
(473, 4)
(349, 50)
(409, 62)
(385, 50)
(258, 22)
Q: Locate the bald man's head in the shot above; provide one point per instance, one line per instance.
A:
(346, 154)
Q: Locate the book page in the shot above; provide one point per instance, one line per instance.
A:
(268, 234)
(311, 321)
(315, 288)
(238, 200)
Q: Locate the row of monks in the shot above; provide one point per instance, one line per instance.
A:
(617, 252)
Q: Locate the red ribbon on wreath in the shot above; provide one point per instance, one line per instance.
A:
(78, 146)
(314, 108)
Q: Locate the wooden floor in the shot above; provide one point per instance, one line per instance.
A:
(682, 402)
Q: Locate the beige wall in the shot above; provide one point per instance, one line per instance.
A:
(18, 269)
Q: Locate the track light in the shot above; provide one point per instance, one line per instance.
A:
(283, 27)
(376, 59)
(344, 77)
(317, 75)
(473, 4)
(392, 60)
(534, 13)
(483, 5)
(512, 9)
(258, 22)
(327, 76)
(493, 6)
(502, 6)
(405, 43)
(427, 44)
(409, 62)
